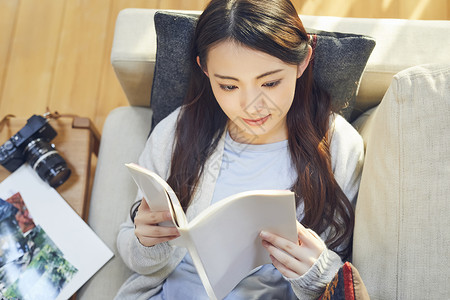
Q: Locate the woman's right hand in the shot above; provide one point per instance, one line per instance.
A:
(147, 230)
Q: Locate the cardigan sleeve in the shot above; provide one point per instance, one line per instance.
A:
(312, 284)
(156, 157)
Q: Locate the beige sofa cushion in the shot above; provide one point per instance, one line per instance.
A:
(123, 138)
(402, 232)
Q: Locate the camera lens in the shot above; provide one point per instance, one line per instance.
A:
(49, 165)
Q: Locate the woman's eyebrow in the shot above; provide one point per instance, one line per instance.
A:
(225, 77)
(269, 73)
(258, 77)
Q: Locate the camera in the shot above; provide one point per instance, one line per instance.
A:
(31, 144)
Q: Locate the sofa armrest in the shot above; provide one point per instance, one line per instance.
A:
(401, 217)
(133, 53)
(124, 135)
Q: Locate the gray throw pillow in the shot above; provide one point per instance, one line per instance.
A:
(339, 61)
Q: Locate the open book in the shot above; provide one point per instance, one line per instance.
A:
(223, 240)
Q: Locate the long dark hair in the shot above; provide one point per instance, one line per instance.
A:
(273, 27)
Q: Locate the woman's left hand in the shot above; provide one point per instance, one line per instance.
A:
(294, 259)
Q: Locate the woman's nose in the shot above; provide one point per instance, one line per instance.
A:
(252, 101)
(257, 105)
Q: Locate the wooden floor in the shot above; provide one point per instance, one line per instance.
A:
(55, 53)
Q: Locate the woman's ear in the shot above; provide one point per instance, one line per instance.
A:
(304, 64)
(199, 64)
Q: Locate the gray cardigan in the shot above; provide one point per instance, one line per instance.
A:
(152, 265)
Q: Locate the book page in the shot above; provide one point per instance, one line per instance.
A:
(158, 194)
(226, 235)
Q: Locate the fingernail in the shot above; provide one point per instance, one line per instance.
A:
(263, 234)
(168, 215)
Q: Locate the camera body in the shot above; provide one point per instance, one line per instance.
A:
(31, 144)
(12, 151)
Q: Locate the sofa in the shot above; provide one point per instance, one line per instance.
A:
(402, 241)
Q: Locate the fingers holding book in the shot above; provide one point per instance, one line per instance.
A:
(293, 259)
(147, 230)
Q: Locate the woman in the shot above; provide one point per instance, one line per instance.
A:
(252, 108)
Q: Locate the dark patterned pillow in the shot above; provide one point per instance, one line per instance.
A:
(339, 61)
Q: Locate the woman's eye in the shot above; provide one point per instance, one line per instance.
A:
(272, 84)
(228, 87)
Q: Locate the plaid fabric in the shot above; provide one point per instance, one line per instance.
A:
(346, 284)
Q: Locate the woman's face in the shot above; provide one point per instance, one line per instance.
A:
(254, 89)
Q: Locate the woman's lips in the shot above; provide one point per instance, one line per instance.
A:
(257, 122)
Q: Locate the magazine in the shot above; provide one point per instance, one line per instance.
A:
(47, 251)
(223, 240)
